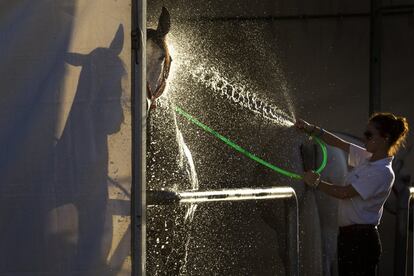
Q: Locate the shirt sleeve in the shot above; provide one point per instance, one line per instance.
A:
(371, 184)
(357, 155)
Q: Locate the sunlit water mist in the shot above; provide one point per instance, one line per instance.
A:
(224, 88)
(190, 65)
(239, 94)
(185, 153)
(184, 159)
(187, 158)
(186, 162)
(265, 54)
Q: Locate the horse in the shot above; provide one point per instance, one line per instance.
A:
(158, 59)
(169, 161)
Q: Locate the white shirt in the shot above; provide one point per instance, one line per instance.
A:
(372, 181)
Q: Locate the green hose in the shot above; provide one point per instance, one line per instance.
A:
(250, 155)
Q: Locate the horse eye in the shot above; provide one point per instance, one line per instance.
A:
(162, 58)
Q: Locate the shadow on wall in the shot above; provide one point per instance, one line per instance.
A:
(54, 193)
(81, 157)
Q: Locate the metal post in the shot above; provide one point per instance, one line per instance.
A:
(375, 57)
(232, 195)
(293, 237)
(138, 189)
(411, 198)
(402, 231)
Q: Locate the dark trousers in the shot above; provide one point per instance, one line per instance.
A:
(359, 250)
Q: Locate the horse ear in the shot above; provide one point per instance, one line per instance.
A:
(75, 59)
(164, 23)
(118, 42)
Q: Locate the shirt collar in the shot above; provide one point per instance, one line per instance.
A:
(384, 161)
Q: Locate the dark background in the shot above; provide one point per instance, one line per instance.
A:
(316, 52)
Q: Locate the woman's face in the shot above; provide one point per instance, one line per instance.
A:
(373, 140)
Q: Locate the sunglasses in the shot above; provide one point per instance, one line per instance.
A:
(368, 135)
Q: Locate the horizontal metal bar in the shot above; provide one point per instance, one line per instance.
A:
(397, 7)
(409, 12)
(386, 10)
(279, 17)
(236, 195)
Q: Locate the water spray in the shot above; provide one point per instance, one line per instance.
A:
(251, 155)
(240, 95)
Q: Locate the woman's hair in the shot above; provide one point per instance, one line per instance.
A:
(395, 128)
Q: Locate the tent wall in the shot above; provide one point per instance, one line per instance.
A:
(65, 137)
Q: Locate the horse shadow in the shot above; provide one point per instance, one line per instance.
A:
(81, 158)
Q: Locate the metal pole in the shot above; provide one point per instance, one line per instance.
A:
(392, 10)
(405, 195)
(375, 57)
(235, 195)
(138, 189)
(293, 237)
(232, 195)
(411, 198)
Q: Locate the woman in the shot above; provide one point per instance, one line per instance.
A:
(366, 189)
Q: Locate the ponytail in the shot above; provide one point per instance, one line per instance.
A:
(395, 128)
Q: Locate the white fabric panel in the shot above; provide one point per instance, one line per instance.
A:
(65, 159)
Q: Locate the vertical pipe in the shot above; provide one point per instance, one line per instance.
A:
(138, 189)
(412, 198)
(405, 195)
(401, 232)
(375, 57)
(293, 234)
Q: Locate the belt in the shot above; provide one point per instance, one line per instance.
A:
(357, 227)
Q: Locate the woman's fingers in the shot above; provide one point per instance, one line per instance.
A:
(300, 124)
(303, 125)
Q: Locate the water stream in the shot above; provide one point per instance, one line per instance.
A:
(240, 94)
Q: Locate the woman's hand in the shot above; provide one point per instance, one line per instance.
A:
(312, 179)
(304, 126)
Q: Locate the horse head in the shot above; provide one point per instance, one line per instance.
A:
(158, 58)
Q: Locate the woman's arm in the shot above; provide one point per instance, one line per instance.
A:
(341, 192)
(326, 136)
(312, 179)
